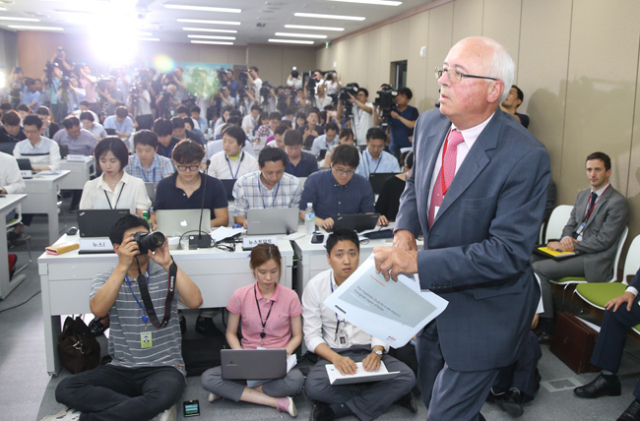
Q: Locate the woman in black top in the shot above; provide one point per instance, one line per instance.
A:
(389, 199)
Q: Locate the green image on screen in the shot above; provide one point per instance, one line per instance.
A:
(191, 409)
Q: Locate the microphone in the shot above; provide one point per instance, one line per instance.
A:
(199, 241)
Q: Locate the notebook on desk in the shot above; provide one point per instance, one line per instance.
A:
(176, 222)
(253, 364)
(272, 221)
(98, 222)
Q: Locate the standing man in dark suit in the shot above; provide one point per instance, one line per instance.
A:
(622, 313)
(477, 193)
(592, 232)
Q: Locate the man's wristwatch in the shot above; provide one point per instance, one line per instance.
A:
(378, 353)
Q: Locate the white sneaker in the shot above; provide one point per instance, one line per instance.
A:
(213, 397)
(286, 404)
(168, 415)
(64, 415)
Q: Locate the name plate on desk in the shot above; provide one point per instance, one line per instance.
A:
(76, 158)
(26, 174)
(95, 245)
(250, 242)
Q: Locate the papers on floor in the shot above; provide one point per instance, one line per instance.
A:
(393, 312)
(361, 376)
(221, 233)
(292, 360)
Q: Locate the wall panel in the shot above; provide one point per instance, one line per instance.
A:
(417, 71)
(501, 21)
(467, 18)
(440, 36)
(399, 47)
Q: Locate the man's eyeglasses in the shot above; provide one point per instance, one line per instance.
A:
(455, 76)
(344, 172)
(184, 168)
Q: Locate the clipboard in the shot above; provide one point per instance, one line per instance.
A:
(554, 254)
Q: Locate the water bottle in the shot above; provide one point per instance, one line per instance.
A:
(309, 219)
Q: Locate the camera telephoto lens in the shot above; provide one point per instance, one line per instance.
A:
(149, 241)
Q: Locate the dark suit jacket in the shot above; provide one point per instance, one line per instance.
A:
(601, 233)
(476, 255)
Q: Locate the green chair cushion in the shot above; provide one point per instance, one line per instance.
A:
(567, 279)
(600, 293)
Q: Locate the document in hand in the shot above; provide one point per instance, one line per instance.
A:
(393, 312)
(361, 376)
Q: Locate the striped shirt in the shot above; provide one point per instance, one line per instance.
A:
(45, 153)
(160, 168)
(250, 193)
(126, 324)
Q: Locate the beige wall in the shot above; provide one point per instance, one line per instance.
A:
(275, 62)
(576, 61)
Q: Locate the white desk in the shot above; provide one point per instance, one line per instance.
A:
(7, 204)
(79, 173)
(66, 282)
(42, 197)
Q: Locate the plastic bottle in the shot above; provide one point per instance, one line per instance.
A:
(145, 215)
(309, 219)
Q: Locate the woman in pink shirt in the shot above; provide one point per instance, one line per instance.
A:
(269, 314)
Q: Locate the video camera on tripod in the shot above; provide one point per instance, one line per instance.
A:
(386, 103)
(345, 98)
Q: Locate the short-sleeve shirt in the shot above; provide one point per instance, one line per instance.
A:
(166, 150)
(126, 324)
(400, 132)
(130, 193)
(284, 304)
(306, 166)
(160, 168)
(250, 193)
(331, 200)
(84, 144)
(124, 126)
(168, 196)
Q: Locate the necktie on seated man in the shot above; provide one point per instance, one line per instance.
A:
(448, 171)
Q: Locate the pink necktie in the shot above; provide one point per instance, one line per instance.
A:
(448, 170)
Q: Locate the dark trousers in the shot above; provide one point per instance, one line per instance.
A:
(120, 394)
(521, 374)
(613, 336)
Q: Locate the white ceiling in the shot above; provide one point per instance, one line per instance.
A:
(151, 16)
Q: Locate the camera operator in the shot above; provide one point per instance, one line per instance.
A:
(269, 97)
(16, 86)
(140, 100)
(69, 95)
(232, 84)
(247, 101)
(53, 76)
(362, 115)
(122, 82)
(226, 98)
(404, 117)
(110, 95)
(295, 80)
(332, 85)
(144, 378)
(319, 100)
(175, 78)
(88, 83)
(30, 95)
(254, 82)
(60, 60)
(166, 102)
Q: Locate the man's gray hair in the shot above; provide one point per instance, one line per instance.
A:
(501, 65)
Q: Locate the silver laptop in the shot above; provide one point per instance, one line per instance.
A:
(151, 190)
(272, 221)
(175, 222)
(253, 364)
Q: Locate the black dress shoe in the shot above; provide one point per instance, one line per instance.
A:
(407, 401)
(632, 413)
(599, 387)
(511, 403)
(321, 412)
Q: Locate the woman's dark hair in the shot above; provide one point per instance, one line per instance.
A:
(86, 115)
(116, 146)
(145, 137)
(342, 234)
(187, 151)
(271, 155)
(406, 158)
(345, 133)
(262, 253)
(237, 133)
(345, 155)
(125, 223)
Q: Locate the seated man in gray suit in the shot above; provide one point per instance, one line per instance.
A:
(592, 232)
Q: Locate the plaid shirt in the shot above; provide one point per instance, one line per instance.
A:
(159, 168)
(264, 130)
(250, 193)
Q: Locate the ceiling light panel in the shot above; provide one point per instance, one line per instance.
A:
(149, 39)
(212, 42)
(211, 22)
(290, 41)
(202, 8)
(289, 34)
(36, 28)
(314, 28)
(11, 18)
(223, 31)
(211, 37)
(374, 2)
(336, 17)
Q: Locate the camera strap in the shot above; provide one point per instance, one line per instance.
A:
(148, 303)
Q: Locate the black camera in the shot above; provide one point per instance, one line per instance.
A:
(386, 102)
(135, 89)
(148, 241)
(64, 83)
(345, 98)
(295, 74)
(103, 83)
(265, 90)
(243, 77)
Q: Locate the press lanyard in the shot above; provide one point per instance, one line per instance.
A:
(338, 321)
(445, 189)
(144, 175)
(237, 169)
(255, 294)
(164, 150)
(366, 159)
(145, 319)
(586, 218)
(117, 199)
(264, 205)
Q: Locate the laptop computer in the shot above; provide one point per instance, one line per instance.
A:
(377, 180)
(253, 364)
(176, 222)
(228, 187)
(151, 190)
(272, 221)
(24, 164)
(356, 222)
(98, 222)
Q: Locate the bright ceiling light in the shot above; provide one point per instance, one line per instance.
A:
(375, 2)
(202, 8)
(145, 34)
(290, 41)
(315, 28)
(337, 17)
(212, 22)
(19, 19)
(223, 31)
(3, 9)
(212, 42)
(36, 28)
(148, 39)
(211, 37)
(288, 34)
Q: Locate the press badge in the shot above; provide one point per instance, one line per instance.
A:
(146, 340)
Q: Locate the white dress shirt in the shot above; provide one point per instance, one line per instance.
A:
(45, 153)
(10, 178)
(320, 322)
(130, 193)
(223, 168)
(470, 136)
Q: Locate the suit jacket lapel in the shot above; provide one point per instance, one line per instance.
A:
(432, 144)
(600, 203)
(473, 164)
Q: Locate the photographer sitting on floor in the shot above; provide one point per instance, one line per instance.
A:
(146, 375)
